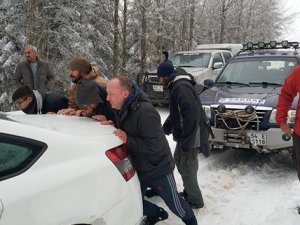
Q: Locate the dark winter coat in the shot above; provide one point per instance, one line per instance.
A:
(43, 103)
(186, 112)
(23, 75)
(146, 140)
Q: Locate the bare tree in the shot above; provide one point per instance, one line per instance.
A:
(116, 38)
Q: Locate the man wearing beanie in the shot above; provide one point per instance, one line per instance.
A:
(93, 96)
(81, 68)
(38, 102)
(184, 123)
(33, 71)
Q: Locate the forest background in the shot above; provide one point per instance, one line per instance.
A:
(125, 36)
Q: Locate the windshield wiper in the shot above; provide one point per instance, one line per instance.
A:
(229, 83)
(265, 84)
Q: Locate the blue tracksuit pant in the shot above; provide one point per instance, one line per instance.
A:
(166, 188)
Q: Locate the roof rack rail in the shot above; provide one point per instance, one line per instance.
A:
(270, 45)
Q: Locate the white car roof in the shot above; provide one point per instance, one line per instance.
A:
(71, 125)
(202, 51)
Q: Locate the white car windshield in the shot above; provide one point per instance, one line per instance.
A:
(257, 70)
(191, 59)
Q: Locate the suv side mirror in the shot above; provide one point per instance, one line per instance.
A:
(218, 65)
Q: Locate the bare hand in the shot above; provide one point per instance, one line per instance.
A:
(107, 122)
(286, 129)
(68, 111)
(121, 135)
(99, 117)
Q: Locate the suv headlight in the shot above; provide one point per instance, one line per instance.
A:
(207, 111)
(290, 119)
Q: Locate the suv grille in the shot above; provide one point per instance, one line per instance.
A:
(233, 123)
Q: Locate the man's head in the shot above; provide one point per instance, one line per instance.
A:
(87, 93)
(79, 68)
(164, 71)
(118, 89)
(22, 97)
(30, 53)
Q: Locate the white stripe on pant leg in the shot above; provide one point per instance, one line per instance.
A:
(177, 203)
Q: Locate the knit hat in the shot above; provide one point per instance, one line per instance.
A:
(165, 69)
(22, 92)
(81, 65)
(87, 92)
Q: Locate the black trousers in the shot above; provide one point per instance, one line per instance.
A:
(296, 152)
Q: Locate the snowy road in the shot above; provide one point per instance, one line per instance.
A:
(243, 188)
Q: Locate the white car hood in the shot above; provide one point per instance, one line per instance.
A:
(73, 125)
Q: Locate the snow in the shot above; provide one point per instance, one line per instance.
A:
(242, 187)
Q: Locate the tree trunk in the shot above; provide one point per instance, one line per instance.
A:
(124, 52)
(116, 38)
(192, 21)
(31, 22)
(144, 33)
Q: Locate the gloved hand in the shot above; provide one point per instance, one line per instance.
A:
(184, 159)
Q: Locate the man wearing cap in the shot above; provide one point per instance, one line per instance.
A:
(38, 102)
(81, 68)
(93, 97)
(33, 72)
(183, 122)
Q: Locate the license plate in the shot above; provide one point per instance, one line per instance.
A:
(158, 88)
(258, 138)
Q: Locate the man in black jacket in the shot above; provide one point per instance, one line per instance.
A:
(184, 120)
(139, 128)
(38, 102)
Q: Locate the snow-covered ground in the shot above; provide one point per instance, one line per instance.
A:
(243, 188)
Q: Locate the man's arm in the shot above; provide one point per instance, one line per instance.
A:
(287, 94)
(17, 77)
(50, 77)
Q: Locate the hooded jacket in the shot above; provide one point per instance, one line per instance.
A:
(43, 103)
(146, 141)
(23, 75)
(187, 117)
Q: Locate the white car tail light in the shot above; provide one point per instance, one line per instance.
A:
(121, 159)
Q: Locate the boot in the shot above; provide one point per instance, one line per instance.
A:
(161, 215)
(191, 221)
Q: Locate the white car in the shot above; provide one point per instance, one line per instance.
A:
(65, 170)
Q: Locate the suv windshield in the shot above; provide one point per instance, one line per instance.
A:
(257, 70)
(195, 59)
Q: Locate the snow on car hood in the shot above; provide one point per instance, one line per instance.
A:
(73, 125)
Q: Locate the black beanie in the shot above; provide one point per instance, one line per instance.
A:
(81, 65)
(165, 69)
(87, 92)
(22, 92)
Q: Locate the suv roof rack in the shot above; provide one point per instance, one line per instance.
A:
(270, 45)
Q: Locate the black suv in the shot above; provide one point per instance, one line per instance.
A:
(241, 102)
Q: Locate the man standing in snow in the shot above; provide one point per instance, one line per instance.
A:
(33, 72)
(139, 128)
(184, 123)
(289, 90)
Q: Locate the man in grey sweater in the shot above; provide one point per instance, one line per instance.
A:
(33, 72)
